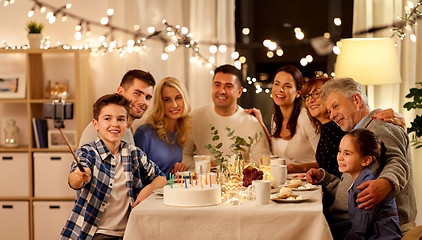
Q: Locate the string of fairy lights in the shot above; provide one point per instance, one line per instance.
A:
(175, 36)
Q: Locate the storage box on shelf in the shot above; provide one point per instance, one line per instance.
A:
(57, 166)
(40, 174)
(14, 175)
(14, 220)
(49, 218)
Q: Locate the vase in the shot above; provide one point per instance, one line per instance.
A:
(34, 40)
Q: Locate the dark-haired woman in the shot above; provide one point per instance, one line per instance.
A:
(292, 135)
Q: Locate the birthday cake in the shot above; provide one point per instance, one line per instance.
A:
(191, 196)
(193, 193)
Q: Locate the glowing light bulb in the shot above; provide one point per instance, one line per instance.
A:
(104, 20)
(266, 42)
(52, 19)
(336, 50)
(222, 48)
(185, 30)
(164, 56)
(270, 54)
(235, 55)
(309, 58)
(110, 11)
(213, 49)
(131, 42)
(242, 59)
(246, 31)
(31, 13)
(413, 37)
(300, 35)
(237, 64)
(42, 9)
(151, 29)
(78, 35)
(279, 52)
(171, 48)
(303, 62)
(337, 21)
(272, 46)
(68, 5)
(101, 39)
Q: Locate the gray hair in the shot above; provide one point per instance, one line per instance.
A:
(345, 86)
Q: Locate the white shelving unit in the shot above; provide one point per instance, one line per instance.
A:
(22, 168)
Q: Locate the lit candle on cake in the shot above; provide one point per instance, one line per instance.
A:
(196, 178)
(181, 181)
(177, 176)
(186, 183)
(210, 181)
(190, 178)
(200, 179)
(206, 179)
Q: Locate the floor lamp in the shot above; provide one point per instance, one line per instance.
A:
(369, 61)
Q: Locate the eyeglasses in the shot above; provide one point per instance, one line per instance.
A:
(314, 95)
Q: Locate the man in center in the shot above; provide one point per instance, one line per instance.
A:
(226, 90)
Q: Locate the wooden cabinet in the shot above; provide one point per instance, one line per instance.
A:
(38, 68)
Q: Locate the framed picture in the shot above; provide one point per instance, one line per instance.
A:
(55, 138)
(12, 86)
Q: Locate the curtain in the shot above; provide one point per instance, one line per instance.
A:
(208, 21)
(375, 13)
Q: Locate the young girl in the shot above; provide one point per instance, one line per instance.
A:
(357, 150)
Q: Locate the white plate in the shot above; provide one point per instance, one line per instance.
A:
(278, 200)
(295, 175)
(313, 187)
(158, 191)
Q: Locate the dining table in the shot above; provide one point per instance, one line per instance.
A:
(297, 220)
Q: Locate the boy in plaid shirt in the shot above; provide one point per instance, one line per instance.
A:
(117, 177)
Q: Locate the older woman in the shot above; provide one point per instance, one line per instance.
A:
(167, 126)
(330, 132)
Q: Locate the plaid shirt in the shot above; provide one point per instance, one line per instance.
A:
(92, 198)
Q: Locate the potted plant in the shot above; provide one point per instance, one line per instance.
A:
(34, 33)
(416, 124)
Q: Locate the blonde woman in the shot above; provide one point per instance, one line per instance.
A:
(167, 126)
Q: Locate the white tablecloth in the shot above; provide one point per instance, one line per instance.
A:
(153, 220)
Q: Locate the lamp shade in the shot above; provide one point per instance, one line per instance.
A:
(369, 61)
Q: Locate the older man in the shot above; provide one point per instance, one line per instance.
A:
(226, 89)
(348, 107)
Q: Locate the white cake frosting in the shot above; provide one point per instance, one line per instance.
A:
(192, 196)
